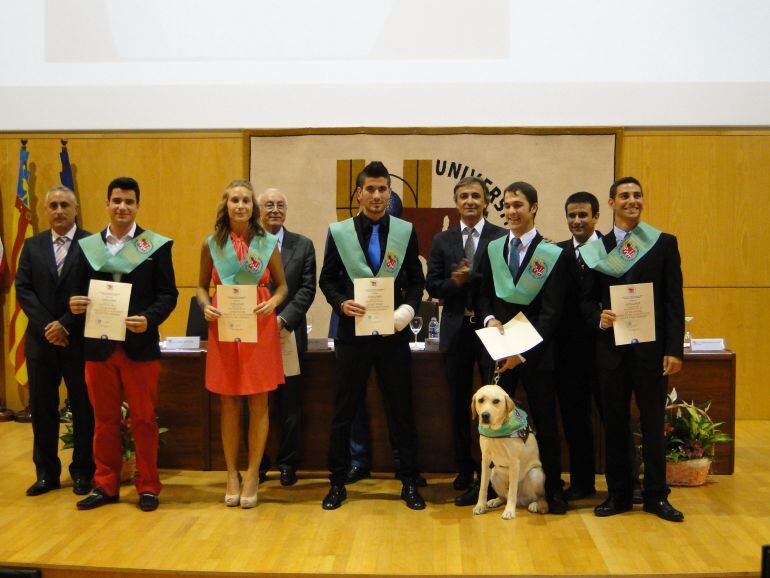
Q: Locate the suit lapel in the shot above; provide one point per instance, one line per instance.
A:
(288, 246)
(486, 233)
(70, 258)
(46, 242)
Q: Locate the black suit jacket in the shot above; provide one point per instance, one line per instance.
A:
(575, 331)
(446, 252)
(337, 286)
(298, 257)
(662, 267)
(544, 312)
(44, 295)
(153, 295)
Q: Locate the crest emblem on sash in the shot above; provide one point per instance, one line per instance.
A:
(628, 250)
(538, 268)
(391, 261)
(253, 263)
(143, 245)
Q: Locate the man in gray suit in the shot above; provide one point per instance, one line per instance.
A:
(298, 256)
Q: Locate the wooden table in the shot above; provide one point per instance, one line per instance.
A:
(192, 414)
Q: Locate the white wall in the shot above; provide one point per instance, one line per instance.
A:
(160, 64)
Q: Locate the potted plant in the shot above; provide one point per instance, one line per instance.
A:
(690, 439)
(128, 470)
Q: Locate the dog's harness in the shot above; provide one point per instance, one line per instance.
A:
(516, 425)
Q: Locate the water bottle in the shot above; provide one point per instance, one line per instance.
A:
(433, 329)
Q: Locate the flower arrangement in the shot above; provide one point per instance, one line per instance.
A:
(689, 431)
(126, 435)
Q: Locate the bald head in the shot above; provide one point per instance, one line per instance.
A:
(272, 209)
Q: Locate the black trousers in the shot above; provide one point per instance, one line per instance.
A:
(45, 376)
(392, 360)
(289, 401)
(649, 388)
(577, 386)
(466, 353)
(541, 395)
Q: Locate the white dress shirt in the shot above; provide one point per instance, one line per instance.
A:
(114, 245)
(576, 244)
(475, 231)
(69, 235)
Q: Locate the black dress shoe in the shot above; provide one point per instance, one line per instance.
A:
(662, 509)
(557, 503)
(578, 493)
(148, 501)
(81, 487)
(96, 498)
(612, 506)
(356, 473)
(288, 476)
(411, 495)
(43, 487)
(463, 481)
(469, 497)
(335, 497)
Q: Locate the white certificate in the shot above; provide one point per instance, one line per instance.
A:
(107, 311)
(289, 353)
(634, 306)
(520, 336)
(238, 322)
(376, 294)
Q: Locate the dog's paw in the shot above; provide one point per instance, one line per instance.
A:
(533, 507)
(509, 514)
(494, 503)
(479, 509)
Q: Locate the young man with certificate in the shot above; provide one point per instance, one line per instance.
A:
(522, 272)
(373, 246)
(625, 261)
(124, 253)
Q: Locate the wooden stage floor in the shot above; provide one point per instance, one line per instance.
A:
(194, 534)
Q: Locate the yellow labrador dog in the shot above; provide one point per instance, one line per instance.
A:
(509, 455)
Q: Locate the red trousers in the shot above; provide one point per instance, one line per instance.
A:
(109, 383)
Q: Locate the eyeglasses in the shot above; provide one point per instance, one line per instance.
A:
(270, 205)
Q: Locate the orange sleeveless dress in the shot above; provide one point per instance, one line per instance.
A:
(245, 368)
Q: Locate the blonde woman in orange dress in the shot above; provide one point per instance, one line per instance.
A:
(241, 252)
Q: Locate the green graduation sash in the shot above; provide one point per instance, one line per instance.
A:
(250, 271)
(346, 239)
(531, 280)
(513, 426)
(130, 256)
(625, 255)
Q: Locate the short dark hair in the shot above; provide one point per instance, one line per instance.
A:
(374, 170)
(525, 189)
(623, 181)
(583, 197)
(466, 181)
(125, 183)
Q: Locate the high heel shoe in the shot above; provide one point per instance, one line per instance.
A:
(232, 500)
(249, 501)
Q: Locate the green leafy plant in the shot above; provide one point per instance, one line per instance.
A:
(689, 431)
(126, 436)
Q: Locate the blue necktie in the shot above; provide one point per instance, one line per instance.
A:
(513, 257)
(374, 248)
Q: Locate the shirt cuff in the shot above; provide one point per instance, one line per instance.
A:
(487, 319)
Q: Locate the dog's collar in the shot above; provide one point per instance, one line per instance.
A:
(514, 426)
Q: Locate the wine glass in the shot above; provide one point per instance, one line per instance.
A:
(415, 325)
(309, 323)
(687, 334)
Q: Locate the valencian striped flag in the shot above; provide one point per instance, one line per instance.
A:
(22, 226)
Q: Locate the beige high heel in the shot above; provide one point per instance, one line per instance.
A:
(232, 500)
(249, 501)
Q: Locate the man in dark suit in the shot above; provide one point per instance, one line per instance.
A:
(524, 273)
(576, 380)
(54, 344)
(453, 276)
(372, 244)
(298, 257)
(126, 253)
(635, 252)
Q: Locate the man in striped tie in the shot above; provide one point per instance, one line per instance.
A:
(54, 344)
